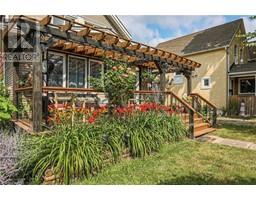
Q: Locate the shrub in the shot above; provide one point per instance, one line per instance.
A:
(233, 107)
(6, 106)
(117, 81)
(9, 153)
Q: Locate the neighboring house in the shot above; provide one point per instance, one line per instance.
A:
(227, 66)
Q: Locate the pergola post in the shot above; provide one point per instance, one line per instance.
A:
(191, 112)
(37, 87)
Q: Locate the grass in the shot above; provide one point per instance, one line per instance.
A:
(187, 162)
(245, 133)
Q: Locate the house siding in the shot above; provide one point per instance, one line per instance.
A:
(213, 65)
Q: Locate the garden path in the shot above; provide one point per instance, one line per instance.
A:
(228, 142)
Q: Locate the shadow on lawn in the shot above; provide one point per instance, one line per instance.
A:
(206, 179)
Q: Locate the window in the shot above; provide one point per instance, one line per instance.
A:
(76, 72)
(236, 54)
(247, 85)
(206, 83)
(95, 69)
(56, 70)
(177, 78)
(241, 55)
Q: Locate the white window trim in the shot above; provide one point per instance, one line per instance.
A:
(203, 87)
(239, 84)
(64, 66)
(85, 78)
(89, 69)
(178, 76)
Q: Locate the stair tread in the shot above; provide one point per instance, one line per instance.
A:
(203, 132)
(201, 124)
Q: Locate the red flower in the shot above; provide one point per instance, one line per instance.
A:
(91, 120)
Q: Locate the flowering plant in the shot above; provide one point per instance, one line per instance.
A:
(118, 82)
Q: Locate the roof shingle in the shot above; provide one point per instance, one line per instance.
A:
(211, 38)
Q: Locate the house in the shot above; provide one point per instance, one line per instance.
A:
(228, 69)
(54, 56)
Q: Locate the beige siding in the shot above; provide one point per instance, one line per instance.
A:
(213, 66)
(238, 42)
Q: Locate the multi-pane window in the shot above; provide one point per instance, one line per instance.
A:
(95, 69)
(247, 86)
(76, 72)
(56, 70)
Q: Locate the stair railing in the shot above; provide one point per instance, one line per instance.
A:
(207, 109)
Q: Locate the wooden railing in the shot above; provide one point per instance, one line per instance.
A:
(235, 102)
(207, 109)
(91, 99)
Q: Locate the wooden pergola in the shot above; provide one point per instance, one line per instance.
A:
(86, 40)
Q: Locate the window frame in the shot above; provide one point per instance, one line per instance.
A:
(85, 67)
(64, 75)
(89, 69)
(239, 85)
(203, 86)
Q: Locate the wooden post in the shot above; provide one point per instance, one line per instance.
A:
(37, 87)
(214, 117)
(162, 86)
(191, 112)
(189, 84)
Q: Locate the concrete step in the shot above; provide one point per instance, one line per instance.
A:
(204, 131)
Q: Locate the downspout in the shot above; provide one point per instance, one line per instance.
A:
(228, 70)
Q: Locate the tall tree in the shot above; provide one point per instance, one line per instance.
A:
(250, 37)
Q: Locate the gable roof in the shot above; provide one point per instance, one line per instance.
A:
(108, 22)
(243, 68)
(208, 39)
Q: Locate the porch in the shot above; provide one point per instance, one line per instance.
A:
(73, 52)
(242, 88)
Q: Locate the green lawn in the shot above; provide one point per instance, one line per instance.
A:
(187, 162)
(245, 133)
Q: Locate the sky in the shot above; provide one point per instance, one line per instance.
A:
(153, 29)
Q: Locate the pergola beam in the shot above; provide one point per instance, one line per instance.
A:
(108, 42)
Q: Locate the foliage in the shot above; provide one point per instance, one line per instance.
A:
(249, 38)
(78, 148)
(71, 151)
(6, 106)
(117, 81)
(149, 77)
(233, 107)
(9, 152)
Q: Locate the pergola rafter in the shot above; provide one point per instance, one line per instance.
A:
(85, 39)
